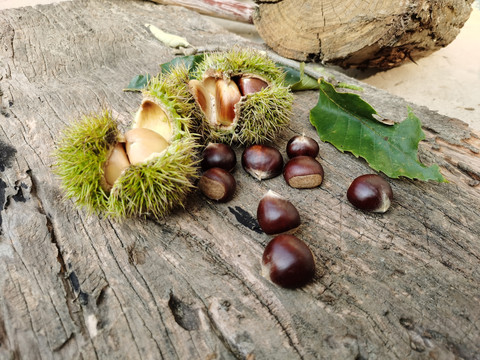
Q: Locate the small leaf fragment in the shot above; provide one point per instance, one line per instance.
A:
(297, 79)
(138, 83)
(347, 122)
(344, 85)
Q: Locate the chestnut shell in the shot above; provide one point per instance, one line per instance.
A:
(288, 262)
(218, 155)
(262, 161)
(370, 192)
(303, 172)
(301, 145)
(217, 184)
(276, 215)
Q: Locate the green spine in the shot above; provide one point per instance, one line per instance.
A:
(80, 155)
(262, 115)
(152, 188)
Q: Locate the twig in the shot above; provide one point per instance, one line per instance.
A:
(225, 9)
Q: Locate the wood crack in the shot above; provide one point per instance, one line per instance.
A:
(112, 297)
(229, 270)
(75, 314)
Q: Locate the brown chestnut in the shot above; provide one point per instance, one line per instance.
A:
(218, 155)
(250, 85)
(262, 161)
(288, 262)
(303, 172)
(370, 192)
(302, 145)
(217, 184)
(227, 95)
(276, 215)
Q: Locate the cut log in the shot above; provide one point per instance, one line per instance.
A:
(401, 285)
(365, 34)
(376, 34)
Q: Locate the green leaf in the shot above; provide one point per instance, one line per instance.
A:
(347, 122)
(297, 80)
(138, 83)
(190, 61)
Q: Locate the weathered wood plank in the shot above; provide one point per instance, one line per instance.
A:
(399, 285)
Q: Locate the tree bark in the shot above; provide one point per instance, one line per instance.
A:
(377, 34)
(402, 285)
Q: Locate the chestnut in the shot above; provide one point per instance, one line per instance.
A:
(251, 85)
(276, 215)
(288, 262)
(142, 143)
(218, 155)
(217, 184)
(262, 161)
(370, 192)
(227, 95)
(116, 163)
(302, 145)
(303, 172)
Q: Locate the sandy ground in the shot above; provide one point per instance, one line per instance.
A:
(447, 81)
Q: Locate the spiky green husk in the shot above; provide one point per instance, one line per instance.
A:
(175, 83)
(262, 115)
(151, 188)
(81, 152)
(156, 187)
(237, 61)
(172, 88)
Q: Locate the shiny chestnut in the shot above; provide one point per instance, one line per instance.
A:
(276, 215)
(217, 184)
(250, 85)
(301, 145)
(218, 155)
(303, 172)
(262, 161)
(370, 192)
(288, 262)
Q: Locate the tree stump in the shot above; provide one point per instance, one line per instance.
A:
(375, 34)
(400, 285)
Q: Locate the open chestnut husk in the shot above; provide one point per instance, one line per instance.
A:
(303, 172)
(301, 145)
(218, 155)
(146, 171)
(217, 184)
(288, 262)
(262, 161)
(237, 96)
(370, 192)
(276, 215)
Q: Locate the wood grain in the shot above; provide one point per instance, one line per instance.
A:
(376, 34)
(402, 285)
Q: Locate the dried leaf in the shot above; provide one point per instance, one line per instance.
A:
(171, 40)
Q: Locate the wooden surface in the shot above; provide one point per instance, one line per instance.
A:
(403, 285)
(366, 34)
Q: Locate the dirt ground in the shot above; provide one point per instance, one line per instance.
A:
(447, 81)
